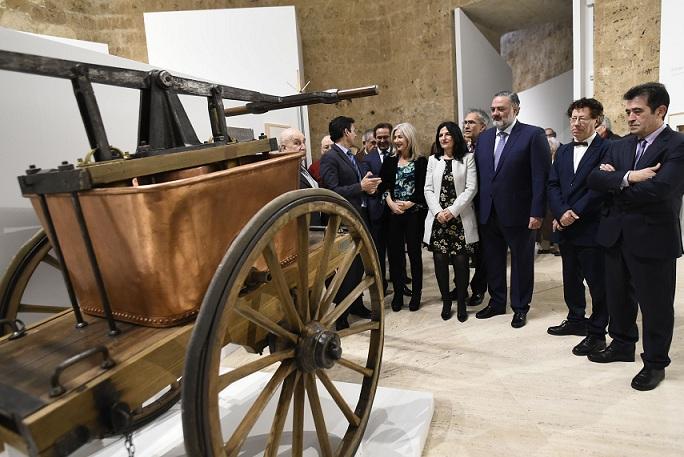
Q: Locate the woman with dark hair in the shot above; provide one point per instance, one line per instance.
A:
(451, 226)
(403, 179)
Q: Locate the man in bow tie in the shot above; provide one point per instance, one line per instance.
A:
(577, 210)
(640, 230)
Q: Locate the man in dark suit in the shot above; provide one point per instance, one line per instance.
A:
(576, 210)
(340, 172)
(640, 230)
(513, 162)
(372, 163)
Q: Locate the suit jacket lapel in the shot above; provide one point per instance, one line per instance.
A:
(344, 158)
(515, 133)
(649, 158)
(593, 149)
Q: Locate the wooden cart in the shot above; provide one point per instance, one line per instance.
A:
(183, 250)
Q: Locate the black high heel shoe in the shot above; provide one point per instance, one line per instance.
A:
(461, 312)
(414, 304)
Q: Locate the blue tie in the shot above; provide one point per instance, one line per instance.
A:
(499, 148)
(353, 161)
(641, 148)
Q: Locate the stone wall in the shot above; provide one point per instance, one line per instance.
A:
(626, 51)
(404, 46)
(538, 54)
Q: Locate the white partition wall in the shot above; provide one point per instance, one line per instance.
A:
(672, 58)
(480, 69)
(583, 48)
(546, 105)
(251, 48)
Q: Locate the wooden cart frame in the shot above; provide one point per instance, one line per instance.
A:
(62, 385)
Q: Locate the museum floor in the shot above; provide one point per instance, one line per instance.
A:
(499, 391)
(506, 392)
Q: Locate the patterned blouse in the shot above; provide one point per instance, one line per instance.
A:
(405, 184)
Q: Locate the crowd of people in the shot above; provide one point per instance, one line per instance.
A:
(613, 205)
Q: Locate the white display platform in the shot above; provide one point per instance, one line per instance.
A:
(398, 425)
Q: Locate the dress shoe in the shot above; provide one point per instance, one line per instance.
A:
(341, 324)
(590, 345)
(519, 320)
(648, 378)
(489, 311)
(476, 299)
(362, 312)
(397, 302)
(446, 310)
(568, 328)
(612, 354)
(461, 312)
(408, 292)
(414, 304)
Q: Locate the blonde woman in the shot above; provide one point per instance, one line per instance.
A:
(403, 179)
(451, 226)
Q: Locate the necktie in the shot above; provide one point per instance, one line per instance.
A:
(499, 148)
(641, 147)
(353, 161)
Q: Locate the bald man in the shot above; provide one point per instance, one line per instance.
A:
(293, 140)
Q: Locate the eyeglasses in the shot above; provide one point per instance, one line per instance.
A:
(469, 122)
(579, 120)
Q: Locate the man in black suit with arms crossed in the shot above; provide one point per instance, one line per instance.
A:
(639, 228)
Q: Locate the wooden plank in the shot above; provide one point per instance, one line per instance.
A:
(121, 170)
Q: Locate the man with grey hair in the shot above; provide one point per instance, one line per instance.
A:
(605, 132)
(368, 142)
(513, 163)
(474, 123)
(293, 140)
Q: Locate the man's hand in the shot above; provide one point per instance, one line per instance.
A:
(556, 226)
(369, 184)
(606, 167)
(535, 223)
(568, 218)
(644, 174)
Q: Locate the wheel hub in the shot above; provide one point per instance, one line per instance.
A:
(319, 348)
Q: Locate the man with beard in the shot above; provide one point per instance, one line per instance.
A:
(513, 162)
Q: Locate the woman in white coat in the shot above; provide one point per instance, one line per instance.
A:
(451, 225)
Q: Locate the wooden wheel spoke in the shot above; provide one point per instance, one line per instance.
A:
(264, 322)
(281, 286)
(298, 419)
(227, 379)
(339, 400)
(328, 243)
(347, 301)
(52, 261)
(317, 412)
(367, 372)
(232, 446)
(281, 414)
(337, 280)
(303, 265)
(355, 329)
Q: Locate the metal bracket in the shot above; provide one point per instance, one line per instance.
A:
(56, 389)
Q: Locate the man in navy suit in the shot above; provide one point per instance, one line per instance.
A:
(341, 173)
(513, 162)
(577, 210)
(644, 174)
(372, 163)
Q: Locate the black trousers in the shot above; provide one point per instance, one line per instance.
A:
(497, 239)
(478, 284)
(636, 282)
(580, 263)
(403, 235)
(377, 229)
(352, 279)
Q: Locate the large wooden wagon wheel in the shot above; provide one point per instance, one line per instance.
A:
(19, 272)
(304, 345)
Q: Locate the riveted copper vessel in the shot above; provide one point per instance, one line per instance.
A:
(158, 245)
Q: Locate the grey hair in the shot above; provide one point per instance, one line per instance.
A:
(606, 123)
(367, 134)
(512, 96)
(411, 135)
(484, 117)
